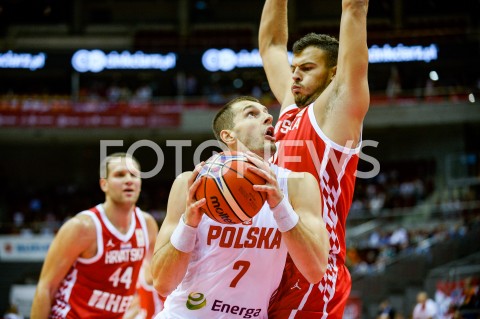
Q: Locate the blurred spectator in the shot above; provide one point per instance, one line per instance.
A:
(180, 83)
(425, 308)
(143, 94)
(375, 239)
(399, 239)
(385, 310)
(12, 313)
(394, 85)
(114, 93)
(191, 85)
(18, 219)
(430, 90)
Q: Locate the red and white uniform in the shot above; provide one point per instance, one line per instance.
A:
(150, 301)
(103, 286)
(302, 146)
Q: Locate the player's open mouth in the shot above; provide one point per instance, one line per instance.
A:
(269, 133)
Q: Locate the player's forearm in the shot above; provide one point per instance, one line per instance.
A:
(351, 80)
(361, 5)
(353, 51)
(273, 28)
(305, 235)
(41, 304)
(309, 251)
(168, 267)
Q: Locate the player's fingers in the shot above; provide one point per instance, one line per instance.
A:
(256, 160)
(195, 173)
(194, 207)
(198, 169)
(269, 178)
(263, 188)
(193, 188)
(274, 194)
(199, 203)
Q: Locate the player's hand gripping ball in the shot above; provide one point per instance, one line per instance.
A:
(227, 186)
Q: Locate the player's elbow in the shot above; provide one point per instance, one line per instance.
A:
(268, 46)
(162, 288)
(315, 274)
(264, 48)
(321, 262)
(161, 285)
(317, 268)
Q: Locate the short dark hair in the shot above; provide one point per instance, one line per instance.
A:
(324, 42)
(224, 118)
(107, 160)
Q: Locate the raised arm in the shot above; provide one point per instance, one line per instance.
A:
(169, 264)
(75, 238)
(348, 97)
(273, 38)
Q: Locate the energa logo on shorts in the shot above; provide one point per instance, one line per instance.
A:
(196, 301)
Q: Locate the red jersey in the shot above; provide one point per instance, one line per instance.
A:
(302, 146)
(151, 303)
(103, 286)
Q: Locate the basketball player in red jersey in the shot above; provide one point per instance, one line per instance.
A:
(150, 301)
(147, 302)
(324, 98)
(93, 263)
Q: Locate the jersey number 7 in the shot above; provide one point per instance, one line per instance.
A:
(241, 265)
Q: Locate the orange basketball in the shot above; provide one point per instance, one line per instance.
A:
(227, 186)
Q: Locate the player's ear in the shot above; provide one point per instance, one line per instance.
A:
(103, 184)
(228, 137)
(332, 72)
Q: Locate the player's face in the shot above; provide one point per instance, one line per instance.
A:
(310, 75)
(253, 128)
(123, 183)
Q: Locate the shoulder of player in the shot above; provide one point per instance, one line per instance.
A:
(300, 178)
(80, 226)
(178, 191)
(181, 181)
(83, 222)
(148, 217)
(183, 177)
(300, 182)
(151, 222)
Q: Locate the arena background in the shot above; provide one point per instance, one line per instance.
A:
(413, 226)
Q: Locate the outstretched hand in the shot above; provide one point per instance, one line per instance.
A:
(271, 187)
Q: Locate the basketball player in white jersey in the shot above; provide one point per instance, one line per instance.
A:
(92, 266)
(324, 98)
(212, 270)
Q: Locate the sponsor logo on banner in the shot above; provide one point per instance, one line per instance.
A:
(23, 248)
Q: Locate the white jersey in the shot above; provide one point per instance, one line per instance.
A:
(234, 269)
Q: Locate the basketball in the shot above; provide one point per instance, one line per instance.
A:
(227, 186)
